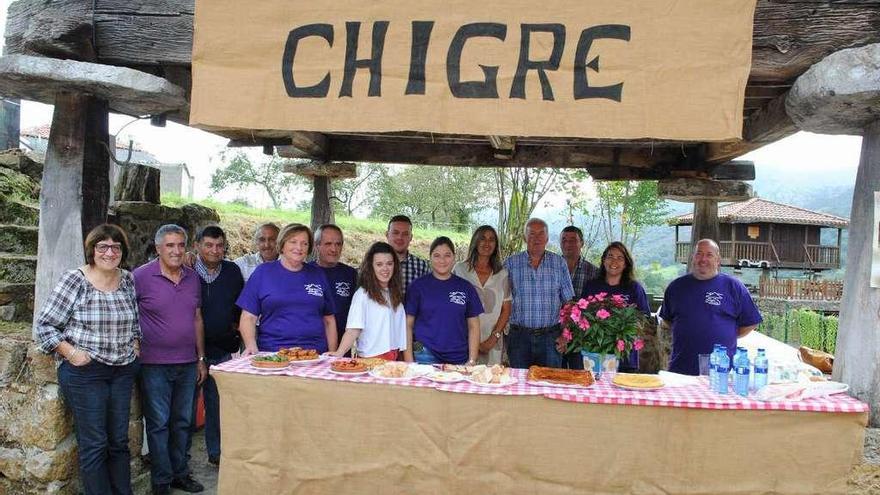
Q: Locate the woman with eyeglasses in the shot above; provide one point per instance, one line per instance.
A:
(90, 323)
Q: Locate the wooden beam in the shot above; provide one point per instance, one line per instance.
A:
(322, 211)
(305, 144)
(505, 146)
(702, 189)
(764, 126)
(335, 170)
(480, 155)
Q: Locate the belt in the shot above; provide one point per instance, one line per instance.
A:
(535, 331)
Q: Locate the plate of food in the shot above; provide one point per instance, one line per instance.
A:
(348, 367)
(298, 355)
(637, 381)
(491, 376)
(269, 362)
(396, 370)
(445, 376)
(555, 377)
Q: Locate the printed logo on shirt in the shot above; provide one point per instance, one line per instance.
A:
(458, 297)
(714, 298)
(343, 289)
(314, 290)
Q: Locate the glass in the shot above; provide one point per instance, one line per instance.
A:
(103, 248)
(704, 364)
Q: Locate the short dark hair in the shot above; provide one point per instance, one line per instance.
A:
(327, 226)
(212, 231)
(399, 218)
(100, 233)
(440, 241)
(576, 230)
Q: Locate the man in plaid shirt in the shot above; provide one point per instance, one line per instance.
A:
(540, 284)
(399, 235)
(571, 242)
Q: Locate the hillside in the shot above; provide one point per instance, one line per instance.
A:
(239, 223)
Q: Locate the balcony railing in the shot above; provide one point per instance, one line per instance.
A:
(765, 255)
(809, 290)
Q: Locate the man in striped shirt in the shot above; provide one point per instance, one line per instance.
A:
(399, 235)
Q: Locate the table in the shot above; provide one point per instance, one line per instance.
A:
(314, 432)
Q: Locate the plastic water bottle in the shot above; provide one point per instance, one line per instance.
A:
(741, 370)
(713, 362)
(722, 371)
(762, 366)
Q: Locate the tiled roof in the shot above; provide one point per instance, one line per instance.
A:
(757, 210)
(42, 132)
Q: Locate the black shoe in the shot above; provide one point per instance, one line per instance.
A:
(187, 484)
(160, 490)
(215, 460)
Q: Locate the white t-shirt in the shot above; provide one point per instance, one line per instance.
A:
(382, 328)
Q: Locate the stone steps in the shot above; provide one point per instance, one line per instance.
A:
(18, 239)
(17, 212)
(18, 268)
(16, 302)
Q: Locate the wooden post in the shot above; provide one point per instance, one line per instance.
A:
(705, 221)
(857, 355)
(10, 121)
(322, 212)
(75, 187)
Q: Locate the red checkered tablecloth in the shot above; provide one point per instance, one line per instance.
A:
(602, 392)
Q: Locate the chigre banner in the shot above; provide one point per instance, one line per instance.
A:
(627, 69)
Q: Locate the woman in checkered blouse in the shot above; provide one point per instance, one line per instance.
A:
(90, 323)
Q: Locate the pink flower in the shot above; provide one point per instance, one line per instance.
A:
(638, 344)
(566, 334)
(601, 296)
(584, 323)
(618, 300)
(602, 314)
(621, 345)
(582, 303)
(575, 313)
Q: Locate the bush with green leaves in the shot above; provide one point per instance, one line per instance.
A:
(802, 326)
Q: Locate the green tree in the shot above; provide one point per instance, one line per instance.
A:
(439, 195)
(621, 209)
(518, 191)
(352, 193)
(267, 173)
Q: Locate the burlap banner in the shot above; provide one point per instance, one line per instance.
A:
(672, 69)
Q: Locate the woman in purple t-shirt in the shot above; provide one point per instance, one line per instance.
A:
(442, 312)
(291, 299)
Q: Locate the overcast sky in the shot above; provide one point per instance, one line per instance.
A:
(802, 153)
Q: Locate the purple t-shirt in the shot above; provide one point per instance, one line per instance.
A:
(441, 308)
(343, 283)
(704, 313)
(633, 293)
(291, 306)
(167, 314)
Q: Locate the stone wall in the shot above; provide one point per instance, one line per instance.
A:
(37, 442)
(141, 220)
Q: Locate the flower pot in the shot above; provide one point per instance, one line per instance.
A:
(600, 363)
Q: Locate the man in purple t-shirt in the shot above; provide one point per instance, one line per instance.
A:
(173, 357)
(704, 308)
(342, 278)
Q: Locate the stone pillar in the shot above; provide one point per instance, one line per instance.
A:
(10, 122)
(838, 95)
(705, 220)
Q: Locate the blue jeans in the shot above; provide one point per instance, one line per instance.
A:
(99, 396)
(425, 356)
(212, 409)
(526, 347)
(168, 391)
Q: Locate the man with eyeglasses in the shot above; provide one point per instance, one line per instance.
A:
(172, 356)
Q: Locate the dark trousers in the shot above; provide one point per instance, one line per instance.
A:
(99, 396)
(528, 346)
(168, 391)
(212, 410)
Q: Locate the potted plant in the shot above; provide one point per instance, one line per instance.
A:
(602, 328)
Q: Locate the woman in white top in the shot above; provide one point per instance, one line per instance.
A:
(376, 320)
(483, 269)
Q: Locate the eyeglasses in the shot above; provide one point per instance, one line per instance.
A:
(103, 248)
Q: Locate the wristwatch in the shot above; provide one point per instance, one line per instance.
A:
(497, 335)
(202, 358)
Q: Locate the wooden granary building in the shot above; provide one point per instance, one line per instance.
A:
(759, 233)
